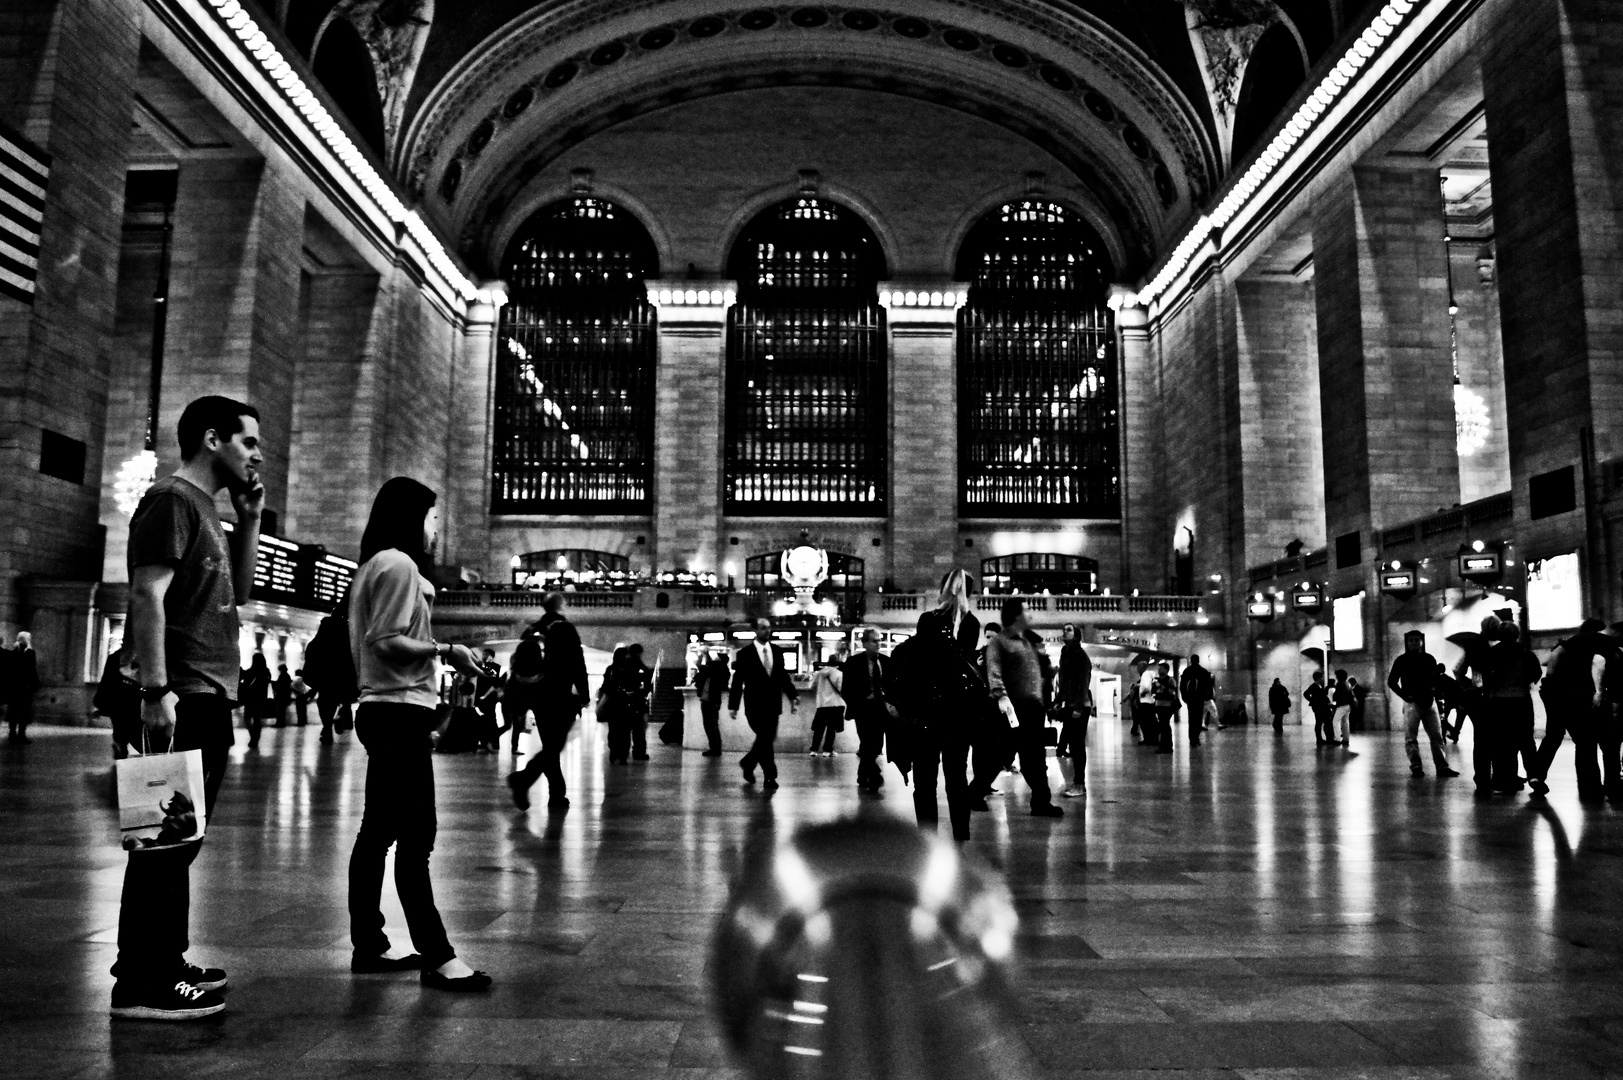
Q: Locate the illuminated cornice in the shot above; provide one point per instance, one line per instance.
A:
(1349, 79)
(311, 121)
(664, 294)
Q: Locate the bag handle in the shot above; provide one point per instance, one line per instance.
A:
(146, 738)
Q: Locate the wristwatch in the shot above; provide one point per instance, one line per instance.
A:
(155, 693)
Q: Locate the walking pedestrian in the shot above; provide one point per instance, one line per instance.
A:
(641, 700)
(1198, 691)
(868, 699)
(943, 697)
(1317, 696)
(1014, 677)
(1165, 695)
(710, 683)
(393, 646)
(1073, 703)
(760, 682)
(1341, 703)
(186, 581)
(828, 706)
(256, 697)
(329, 668)
(21, 684)
(1573, 692)
(557, 699)
(1413, 679)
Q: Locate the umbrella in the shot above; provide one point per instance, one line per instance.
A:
(1469, 640)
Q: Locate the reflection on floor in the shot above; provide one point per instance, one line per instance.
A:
(1255, 908)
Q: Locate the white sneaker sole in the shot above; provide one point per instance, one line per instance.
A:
(148, 1012)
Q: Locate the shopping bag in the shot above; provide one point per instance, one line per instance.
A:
(160, 799)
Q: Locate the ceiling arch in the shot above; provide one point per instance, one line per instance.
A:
(1064, 81)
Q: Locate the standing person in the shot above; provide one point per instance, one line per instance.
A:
(1317, 696)
(1148, 717)
(301, 698)
(1512, 671)
(1073, 700)
(1413, 679)
(330, 670)
(1166, 708)
(118, 697)
(256, 697)
(392, 644)
(1279, 703)
(1341, 702)
(1572, 692)
(867, 696)
(186, 581)
(1474, 699)
(1198, 691)
(1014, 677)
(947, 698)
(641, 701)
(22, 681)
(828, 707)
(761, 682)
(1360, 692)
(557, 699)
(487, 696)
(283, 689)
(711, 685)
(615, 695)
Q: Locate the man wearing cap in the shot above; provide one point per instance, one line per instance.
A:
(1413, 678)
(1572, 693)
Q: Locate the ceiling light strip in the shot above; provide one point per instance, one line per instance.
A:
(1331, 89)
(327, 131)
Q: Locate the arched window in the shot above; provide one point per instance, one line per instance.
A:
(1040, 571)
(575, 365)
(1036, 368)
(572, 566)
(806, 365)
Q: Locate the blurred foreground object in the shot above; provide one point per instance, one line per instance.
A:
(867, 949)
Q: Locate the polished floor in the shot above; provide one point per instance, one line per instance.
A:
(1256, 908)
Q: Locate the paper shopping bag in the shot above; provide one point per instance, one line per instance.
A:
(160, 799)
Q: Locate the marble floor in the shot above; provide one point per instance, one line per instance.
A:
(1257, 908)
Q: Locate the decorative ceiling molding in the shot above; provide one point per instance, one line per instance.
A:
(1055, 71)
(395, 33)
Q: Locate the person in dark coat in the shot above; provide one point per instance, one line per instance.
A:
(118, 697)
(947, 698)
(616, 703)
(255, 695)
(21, 683)
(760, 683)
(1279, 703)
(867, 692)
(1574, 697)
(711, 683)
(559, 698)
(1073, 701)
(329, 669)
(1197, 689)
(1317, 696)
(283, 694)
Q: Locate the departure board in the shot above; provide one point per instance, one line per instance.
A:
(330, 578)
(277, 570)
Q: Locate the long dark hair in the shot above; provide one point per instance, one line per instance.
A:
(397, 520)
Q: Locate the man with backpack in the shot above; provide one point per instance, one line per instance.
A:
(329, 670)
(557, 700)
(524, 673)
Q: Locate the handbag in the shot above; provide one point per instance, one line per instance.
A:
(160, 798)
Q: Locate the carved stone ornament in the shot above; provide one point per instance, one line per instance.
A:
(395, 33)
(1224, 32)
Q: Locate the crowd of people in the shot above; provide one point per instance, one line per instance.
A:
(954, 705)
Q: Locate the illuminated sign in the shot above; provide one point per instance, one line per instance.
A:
(1307, 599)
(1481, 564)
(1398, 581)
(1554, 596)
(1259, 609)
(276, 569)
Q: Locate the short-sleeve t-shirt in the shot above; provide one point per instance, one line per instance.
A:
(176, 525)
(390, 597)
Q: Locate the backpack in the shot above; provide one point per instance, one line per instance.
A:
(528, 662)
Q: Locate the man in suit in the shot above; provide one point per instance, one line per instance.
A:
(867, 702)
(761, 681)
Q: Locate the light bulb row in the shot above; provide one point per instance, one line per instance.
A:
(1307, 115)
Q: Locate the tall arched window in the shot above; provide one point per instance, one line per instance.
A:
(1036, 368)
(806, 365)
(575, 365)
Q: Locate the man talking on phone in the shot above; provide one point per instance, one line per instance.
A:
(186, 580)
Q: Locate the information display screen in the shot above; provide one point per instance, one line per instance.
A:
(329, 580)
(277, 570)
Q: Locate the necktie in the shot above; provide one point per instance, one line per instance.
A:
(766, 659)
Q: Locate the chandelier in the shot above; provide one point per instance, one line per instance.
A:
(134, 477)
(1470, 421)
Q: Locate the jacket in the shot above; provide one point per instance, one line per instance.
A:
(1195, 685)
(856, 684)
(761, 692)
(1279, 699)
(564, 668)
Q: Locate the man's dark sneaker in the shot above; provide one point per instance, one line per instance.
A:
(710, 753)
(181, 1001)
(203, 978)
(559, 803)
(1047, 810)
(1448, 772)
(978, 804)
(1415, 770)
(383, 965)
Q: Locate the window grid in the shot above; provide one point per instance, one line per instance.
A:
(1037, 371)
(575, 367)
(806, 367)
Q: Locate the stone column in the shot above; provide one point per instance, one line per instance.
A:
(1143, 551)
(923, 443)
(1553, 93)
(67, 79)
(689, 428)
(233, 295)
(1386, 377)
(473, 407)
(1281, 439)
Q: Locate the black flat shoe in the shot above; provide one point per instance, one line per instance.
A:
(382, 965)
(477, 983)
